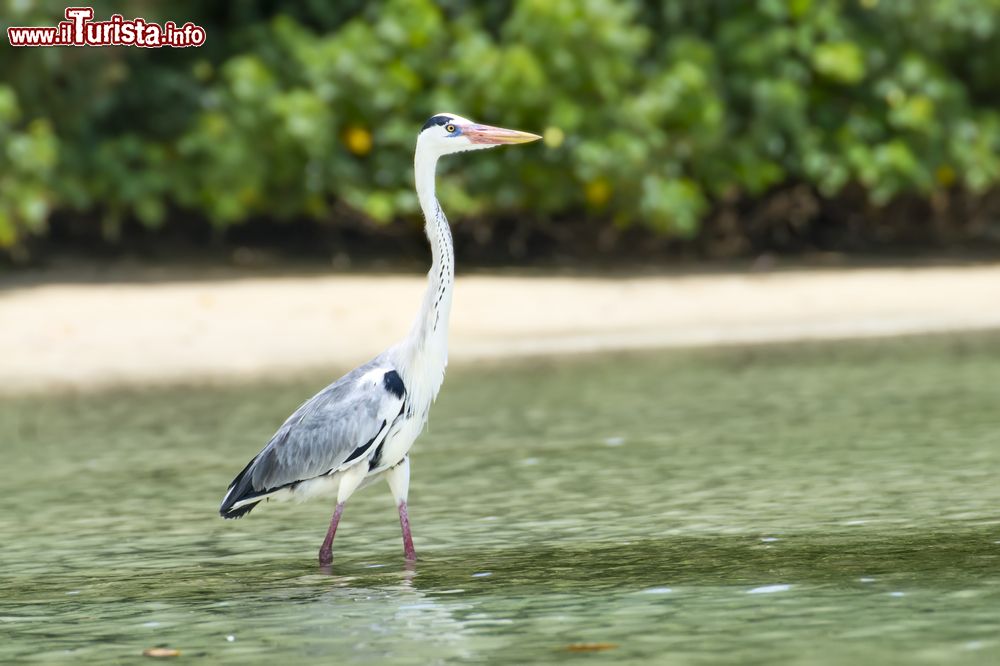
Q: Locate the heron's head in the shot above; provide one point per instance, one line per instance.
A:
(447, 133)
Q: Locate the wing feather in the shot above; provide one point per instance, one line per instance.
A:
(323, 433)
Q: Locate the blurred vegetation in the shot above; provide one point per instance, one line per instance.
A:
(654, 113)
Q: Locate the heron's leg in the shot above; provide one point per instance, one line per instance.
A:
(399, 483)
(404, 521)
(350, 479)
(326, 550)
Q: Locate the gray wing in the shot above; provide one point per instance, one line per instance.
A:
(336, 425)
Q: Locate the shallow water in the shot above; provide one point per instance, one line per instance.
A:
(810, 504)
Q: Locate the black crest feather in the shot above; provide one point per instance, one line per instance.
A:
(436, 120)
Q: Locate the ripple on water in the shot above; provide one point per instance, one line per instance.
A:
(770, 589)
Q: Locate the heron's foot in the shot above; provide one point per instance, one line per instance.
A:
(325, 557)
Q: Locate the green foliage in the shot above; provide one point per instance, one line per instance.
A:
(28, 153)
(651, 111)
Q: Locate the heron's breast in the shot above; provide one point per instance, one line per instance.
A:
(401, 438)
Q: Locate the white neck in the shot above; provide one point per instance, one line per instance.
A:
(425, 352)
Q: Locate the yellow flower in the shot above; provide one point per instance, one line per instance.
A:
(945, 175)
(553, 137)
(358, 140)
(597, 192)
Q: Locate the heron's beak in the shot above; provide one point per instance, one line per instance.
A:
(485, 134)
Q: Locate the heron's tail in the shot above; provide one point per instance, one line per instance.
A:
(235, 504)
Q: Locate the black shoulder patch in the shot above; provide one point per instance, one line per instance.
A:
(393, 383)
(436, 120)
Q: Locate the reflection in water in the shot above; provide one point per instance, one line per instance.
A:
(814, 504)
(390, 617)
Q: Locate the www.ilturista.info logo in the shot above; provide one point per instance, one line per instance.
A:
(79, 30)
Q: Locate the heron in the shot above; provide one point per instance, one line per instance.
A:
(362, 426)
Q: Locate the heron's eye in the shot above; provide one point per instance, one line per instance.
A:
(449, 128)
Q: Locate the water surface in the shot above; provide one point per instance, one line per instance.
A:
(809, 504)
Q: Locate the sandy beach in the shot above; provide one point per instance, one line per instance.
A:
(82, 336)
